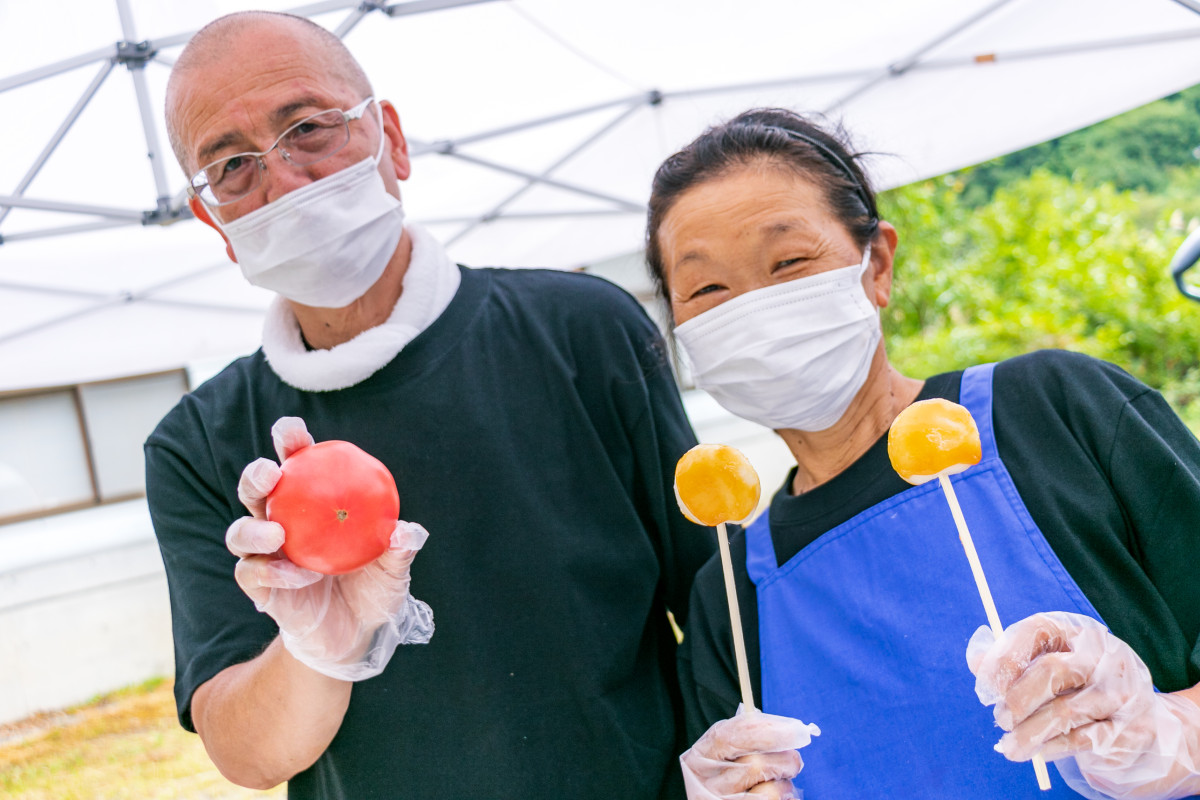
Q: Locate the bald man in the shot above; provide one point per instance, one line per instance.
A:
(532, 425)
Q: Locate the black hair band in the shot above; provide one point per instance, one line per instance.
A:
(833, 158)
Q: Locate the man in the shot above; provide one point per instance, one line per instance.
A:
(531, 424)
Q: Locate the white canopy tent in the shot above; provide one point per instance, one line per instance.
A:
(535, 126)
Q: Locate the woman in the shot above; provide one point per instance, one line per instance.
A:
(858, 604)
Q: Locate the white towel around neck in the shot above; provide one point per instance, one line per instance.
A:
(429, 285)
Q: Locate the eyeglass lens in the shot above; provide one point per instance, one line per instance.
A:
(308, 141)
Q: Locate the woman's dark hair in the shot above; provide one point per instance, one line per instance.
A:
(777, 135)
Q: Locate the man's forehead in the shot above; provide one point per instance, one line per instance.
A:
(245, 80)
(237, 125)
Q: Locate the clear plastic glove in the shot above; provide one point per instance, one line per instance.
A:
(750, 755)
(1064, 686)
(344, 626)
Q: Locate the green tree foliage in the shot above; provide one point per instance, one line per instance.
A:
(1065, 244)
(1132, 151)
(1049, 261)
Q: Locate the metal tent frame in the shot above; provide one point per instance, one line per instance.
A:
(168, 207)
(134, 55)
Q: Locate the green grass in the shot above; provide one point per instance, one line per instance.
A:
(123, 746)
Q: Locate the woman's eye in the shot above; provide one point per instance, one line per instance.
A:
(787, 262)
(712, 287)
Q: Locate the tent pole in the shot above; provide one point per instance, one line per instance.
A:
(52, 145)
(520, 173)
(422, 6)
(947, 63)
(151, 130)
(349, 23)
(71, 208)
(46, 233)
(442, 146)
(107, 301)
(117, 301)
(394, 10)
(136, 65)
(898, 68)
(128, 31)
(313, 9)
(50, 70)
(1051, 52)
(495, 211)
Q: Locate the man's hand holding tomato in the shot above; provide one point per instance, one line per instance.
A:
(345, 626)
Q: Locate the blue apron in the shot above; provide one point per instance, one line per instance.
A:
(865, 630)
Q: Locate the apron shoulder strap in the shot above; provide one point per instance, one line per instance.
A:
(976, 395)
(760, 550)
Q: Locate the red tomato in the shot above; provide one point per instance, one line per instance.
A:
(338, 506)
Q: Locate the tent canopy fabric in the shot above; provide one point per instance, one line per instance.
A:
(535, 127)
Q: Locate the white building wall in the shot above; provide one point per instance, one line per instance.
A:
(83, 608)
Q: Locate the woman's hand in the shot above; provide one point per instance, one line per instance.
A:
(1064, 686)
(749, 755)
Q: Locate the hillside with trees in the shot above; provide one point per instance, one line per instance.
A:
(1065, 244)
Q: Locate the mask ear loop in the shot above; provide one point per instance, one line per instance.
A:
(862, 270)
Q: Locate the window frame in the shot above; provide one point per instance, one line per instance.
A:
(82, 429)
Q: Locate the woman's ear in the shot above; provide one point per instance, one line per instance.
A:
(883, 251)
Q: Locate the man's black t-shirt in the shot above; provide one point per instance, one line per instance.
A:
(533, 430)
(1108, 472)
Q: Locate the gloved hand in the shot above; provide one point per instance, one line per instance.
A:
(1063, 685)
(750, 755)
(344, 626)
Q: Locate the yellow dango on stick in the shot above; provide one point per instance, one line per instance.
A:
(936, 439)
(716, 484)
(931, 438)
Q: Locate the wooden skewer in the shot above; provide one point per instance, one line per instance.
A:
(735, 620)
(985, 594)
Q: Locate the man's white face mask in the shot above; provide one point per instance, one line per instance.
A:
(325, 243)
(792, 355)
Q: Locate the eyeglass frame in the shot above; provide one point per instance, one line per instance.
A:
(353, 113)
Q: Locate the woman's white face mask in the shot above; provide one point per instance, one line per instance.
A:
(325, 243)
(788, 356)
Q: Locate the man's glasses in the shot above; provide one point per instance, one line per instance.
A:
(312, 139)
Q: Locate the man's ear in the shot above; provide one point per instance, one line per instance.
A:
(397, 146)
(201, 213)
